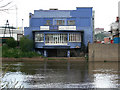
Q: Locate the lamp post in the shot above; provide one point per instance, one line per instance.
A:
(22, 27)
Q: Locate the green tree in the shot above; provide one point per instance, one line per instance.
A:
(11, 43)
(26, 44)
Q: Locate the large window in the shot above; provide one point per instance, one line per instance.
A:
(74, 37)
(39, 37)
(71, 22)
(56, 39)
(60, 22)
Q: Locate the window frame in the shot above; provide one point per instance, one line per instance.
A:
(56, 39)
(47, 22)
(41, 37)
(69, 23)
(73, 37)
(60, 23)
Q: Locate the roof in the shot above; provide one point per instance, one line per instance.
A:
(57, 31)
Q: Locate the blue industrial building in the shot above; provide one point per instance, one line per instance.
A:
(60, 32)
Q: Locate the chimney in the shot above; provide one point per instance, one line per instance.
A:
(53, 9)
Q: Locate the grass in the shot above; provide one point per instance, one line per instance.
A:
(51, 59)
(17, 53)
(56, 59)
(62, 59)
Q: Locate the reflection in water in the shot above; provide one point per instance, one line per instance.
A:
(105, 80)
(106, 75)
(63, 74)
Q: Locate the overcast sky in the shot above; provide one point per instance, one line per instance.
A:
(105, 10)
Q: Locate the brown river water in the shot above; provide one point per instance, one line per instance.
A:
(60, 74)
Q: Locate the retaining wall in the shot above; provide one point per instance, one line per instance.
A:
(104, 52)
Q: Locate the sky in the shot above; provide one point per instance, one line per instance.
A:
(106, 11)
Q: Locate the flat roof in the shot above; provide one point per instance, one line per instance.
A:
(57, 31)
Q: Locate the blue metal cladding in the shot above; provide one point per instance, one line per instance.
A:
(51, 13)
(116, 40)
(82, 17)
(82, 12)
(83, 22)
(35, 22)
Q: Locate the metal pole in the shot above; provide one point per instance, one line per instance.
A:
(22, 27)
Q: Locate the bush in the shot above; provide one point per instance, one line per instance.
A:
(11, 43)
(17, 53)
(25, 50)
(26, 44)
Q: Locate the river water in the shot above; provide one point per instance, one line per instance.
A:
(61, 74)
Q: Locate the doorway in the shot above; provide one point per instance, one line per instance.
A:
(57, 53)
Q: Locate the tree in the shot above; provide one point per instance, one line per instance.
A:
(11, 42)
(26, 44)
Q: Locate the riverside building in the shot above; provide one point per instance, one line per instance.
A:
(60, 33)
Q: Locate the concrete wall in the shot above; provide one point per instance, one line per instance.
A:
(104, 52)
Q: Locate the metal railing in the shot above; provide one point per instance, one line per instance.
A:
(14, 31)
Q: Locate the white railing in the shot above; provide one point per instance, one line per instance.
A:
(55, 43)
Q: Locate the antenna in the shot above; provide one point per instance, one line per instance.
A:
(7, 26)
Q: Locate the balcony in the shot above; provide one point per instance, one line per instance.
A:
(56, 39)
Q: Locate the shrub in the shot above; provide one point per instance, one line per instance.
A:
(26, 44)
(17, 53)
(11, 43)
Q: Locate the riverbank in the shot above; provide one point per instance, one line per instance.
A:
(44, 58)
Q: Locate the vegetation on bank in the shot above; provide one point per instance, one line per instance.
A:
(25, 48)
(11, 49)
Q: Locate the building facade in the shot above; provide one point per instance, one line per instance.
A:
(98, 30)
(115, 31)
(60, 32)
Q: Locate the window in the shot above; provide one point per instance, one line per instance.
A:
(71, 22)
(74, 37)
(56, 39)
(47, 22)
(39, 37)
(60, 22)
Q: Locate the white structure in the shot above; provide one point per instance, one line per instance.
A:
(14, 32)
(98, 30)
(119, 16)
(115, 28)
